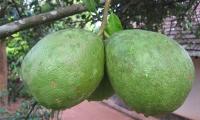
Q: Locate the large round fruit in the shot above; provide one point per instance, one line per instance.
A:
(149, 71)
(64, 68)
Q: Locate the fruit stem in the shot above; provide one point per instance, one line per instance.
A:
(105, 15)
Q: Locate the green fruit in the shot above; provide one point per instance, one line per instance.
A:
(103, 91)
(149, 71)
(64, 68)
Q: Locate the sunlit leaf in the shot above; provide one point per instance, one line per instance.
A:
(90, 4)
(113, 25)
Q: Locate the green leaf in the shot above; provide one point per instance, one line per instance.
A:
(113, 25)
(90, 4)
(97, 1)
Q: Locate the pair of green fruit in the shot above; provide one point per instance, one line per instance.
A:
(149, 71)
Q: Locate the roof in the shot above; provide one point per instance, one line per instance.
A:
(187, 38)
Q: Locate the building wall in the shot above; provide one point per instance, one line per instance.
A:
(191, 107)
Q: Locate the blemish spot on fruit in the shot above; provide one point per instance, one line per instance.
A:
(53, 84)
(77, 89)
(146, 75)
(190, 77)
(58, 100)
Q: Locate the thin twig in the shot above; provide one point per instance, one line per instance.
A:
(32, 108)
(33, 21)
(195, 7)
(105, 15)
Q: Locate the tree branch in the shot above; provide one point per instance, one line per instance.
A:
(13, 27)
(3, 74)
(31, 110)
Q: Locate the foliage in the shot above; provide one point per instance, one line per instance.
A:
(38, 112)
(113, 25)
(90, 4)
(149, 14)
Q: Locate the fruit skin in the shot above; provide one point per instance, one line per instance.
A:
(149, 71)
(64, 68)
(103, 91)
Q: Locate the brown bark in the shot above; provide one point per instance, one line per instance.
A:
(3, 73)
(13, 27)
